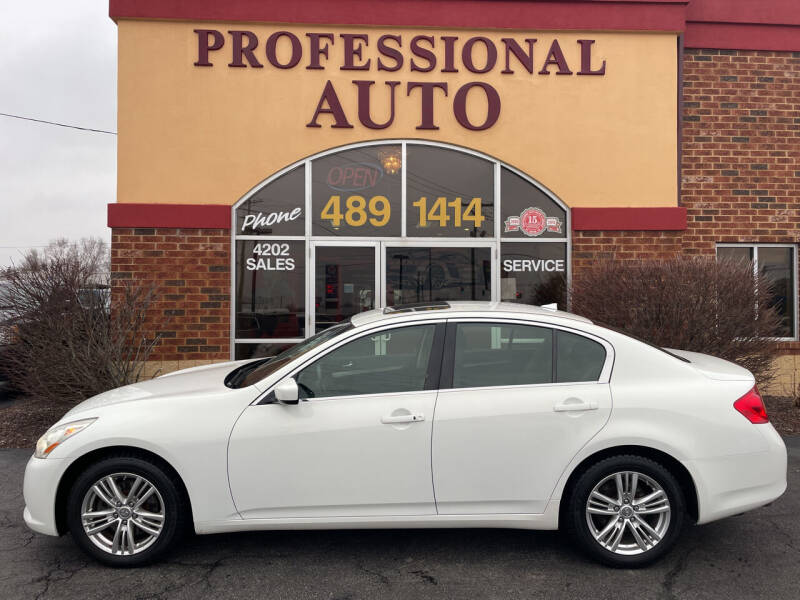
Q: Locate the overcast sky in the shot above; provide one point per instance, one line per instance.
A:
(58, 63)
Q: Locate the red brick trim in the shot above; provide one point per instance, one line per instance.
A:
(215, 216)
(764, 12)
(668, 218)
(743, 36)
(190, 216)
(654, 15)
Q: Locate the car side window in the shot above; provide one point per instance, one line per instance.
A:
(493, 354)
(578, 358)
(390, 361)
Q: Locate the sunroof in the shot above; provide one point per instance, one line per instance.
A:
(415, 307)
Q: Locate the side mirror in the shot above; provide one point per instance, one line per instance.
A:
(287, 392)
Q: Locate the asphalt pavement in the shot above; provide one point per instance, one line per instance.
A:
(752, 556)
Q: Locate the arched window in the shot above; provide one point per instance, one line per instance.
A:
(386, 223)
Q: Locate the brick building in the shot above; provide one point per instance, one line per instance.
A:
(282, 166)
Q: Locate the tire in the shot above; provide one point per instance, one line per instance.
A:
(648, 531)
(155, 520)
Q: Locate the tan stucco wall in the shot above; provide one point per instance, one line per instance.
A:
(787, 377)
(207, 135)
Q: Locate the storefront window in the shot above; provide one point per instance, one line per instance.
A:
(388, 223)
(776, 263)
(449, 193)
(278, 208)
(358, 192)
(736, 253)
(527, 211)
(533, 273)
(430, 274)
(270, 289)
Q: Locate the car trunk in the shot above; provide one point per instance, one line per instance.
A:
(713, 367)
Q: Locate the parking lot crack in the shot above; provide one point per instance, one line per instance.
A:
(383, 578)
(208, 569)
(51, 576)
(426, 577)
(673, 574)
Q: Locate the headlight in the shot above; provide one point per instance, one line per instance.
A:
(48, 442)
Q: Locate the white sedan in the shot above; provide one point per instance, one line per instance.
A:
(460, 414)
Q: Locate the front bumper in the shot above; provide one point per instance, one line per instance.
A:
(39, 490)
(735, 484)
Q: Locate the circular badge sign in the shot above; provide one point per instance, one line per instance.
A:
(532, 221)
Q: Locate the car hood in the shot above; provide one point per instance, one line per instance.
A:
(713, 367)
(207, 379)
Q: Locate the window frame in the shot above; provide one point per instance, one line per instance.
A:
(433, 371)
(753, 246)
(448, 362)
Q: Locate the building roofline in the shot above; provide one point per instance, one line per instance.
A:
(630, 15)
(718, 24)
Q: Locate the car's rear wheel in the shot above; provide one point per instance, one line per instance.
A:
(626, 511)
(125, 511)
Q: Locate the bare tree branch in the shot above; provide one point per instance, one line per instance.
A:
(688, 303)
(68, 343)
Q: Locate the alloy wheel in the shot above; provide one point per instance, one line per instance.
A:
(628, 513)
(123, 513)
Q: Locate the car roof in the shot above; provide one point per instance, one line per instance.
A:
(463, 308)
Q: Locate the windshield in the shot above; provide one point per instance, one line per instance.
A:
(252, 373)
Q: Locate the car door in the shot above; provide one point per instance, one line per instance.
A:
(517, 403)
(359, 441)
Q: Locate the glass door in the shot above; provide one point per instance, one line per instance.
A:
(343, 282)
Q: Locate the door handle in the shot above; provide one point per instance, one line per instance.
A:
(575, 404)
(393, 419)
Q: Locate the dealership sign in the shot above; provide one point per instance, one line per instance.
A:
(536, 265)
(391, 53)
(261, 220)
(271, 257)
(533, 222)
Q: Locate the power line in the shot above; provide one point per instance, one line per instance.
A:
(39, 246)
(58, 124)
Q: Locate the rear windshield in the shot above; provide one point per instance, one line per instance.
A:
(253, 372)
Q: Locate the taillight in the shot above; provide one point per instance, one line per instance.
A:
(752, 406)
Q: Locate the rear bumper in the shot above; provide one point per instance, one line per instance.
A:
(730, 485)
(39, 490)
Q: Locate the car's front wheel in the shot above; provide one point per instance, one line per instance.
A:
(125, 511)
(626, 511)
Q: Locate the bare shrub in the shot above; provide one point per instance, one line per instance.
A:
(68, 343)
(687, 303)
